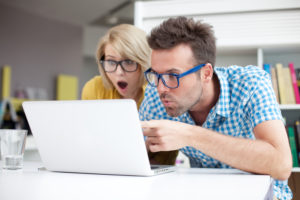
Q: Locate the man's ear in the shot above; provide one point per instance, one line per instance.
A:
(207, 72)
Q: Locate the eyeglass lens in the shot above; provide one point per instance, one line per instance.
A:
(111, 65)
(169, 80)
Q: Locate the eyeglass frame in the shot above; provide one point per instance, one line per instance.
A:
(117, 64)
(178, 76)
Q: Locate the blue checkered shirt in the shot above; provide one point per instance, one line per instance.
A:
(246, 99)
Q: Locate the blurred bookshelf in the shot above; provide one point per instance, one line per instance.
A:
(296, 169)
(289, 106)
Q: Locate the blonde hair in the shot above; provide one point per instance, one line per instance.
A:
(130, 42)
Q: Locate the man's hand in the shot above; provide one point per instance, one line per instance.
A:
(166, 135)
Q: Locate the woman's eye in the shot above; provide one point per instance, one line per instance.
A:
(111, 62)
(128, 62)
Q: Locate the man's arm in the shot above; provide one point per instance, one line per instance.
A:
(268, 154)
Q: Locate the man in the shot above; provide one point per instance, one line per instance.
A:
(218, 117)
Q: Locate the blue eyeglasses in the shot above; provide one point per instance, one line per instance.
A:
(170, 80)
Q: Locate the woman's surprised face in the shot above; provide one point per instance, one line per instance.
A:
(122, 72)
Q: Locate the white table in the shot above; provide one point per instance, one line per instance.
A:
(34, 184)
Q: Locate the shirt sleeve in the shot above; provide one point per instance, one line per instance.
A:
(262, 105)
(151, 107)
(144, 110)
(88, 91)
(94, 89)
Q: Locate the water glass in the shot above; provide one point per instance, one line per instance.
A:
(12, 148)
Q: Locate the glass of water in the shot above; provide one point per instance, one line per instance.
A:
(12, 148)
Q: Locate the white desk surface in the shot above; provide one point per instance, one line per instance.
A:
(184, 184)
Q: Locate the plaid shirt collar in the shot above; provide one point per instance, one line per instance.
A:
(222, 107)
(221, 110)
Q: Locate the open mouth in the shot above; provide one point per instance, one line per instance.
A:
(122, 84)
(166, 102)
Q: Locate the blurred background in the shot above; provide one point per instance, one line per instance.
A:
(47, 51)
(47, 48)
(43, 39)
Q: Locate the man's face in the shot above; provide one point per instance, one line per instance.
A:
(177, 60)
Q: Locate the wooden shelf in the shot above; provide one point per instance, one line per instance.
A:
(289, 106)
(296, 169)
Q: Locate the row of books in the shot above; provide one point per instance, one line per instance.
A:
(294, 139)
(286, 82)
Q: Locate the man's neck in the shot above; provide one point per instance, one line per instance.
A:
(210, 97)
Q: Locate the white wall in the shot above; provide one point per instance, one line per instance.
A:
(91, 36)
(38, 49)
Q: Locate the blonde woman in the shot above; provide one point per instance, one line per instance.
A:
(122, 57)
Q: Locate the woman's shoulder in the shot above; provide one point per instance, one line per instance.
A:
(92, 88)
(95, 81)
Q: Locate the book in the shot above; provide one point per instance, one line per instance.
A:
(297, 136)
(292, 140)
(67, 87)
(6, 76)
(294, 82)
(267, 68)
(275, 83)
(298, 76)
(288, 87)
(281, 87)
(281, 84)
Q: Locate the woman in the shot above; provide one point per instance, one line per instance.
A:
(122, 56)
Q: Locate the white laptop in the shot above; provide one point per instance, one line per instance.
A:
(90, 136)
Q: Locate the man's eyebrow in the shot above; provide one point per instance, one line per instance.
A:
(173, 70)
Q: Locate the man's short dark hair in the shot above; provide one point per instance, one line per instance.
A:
(181, 30)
